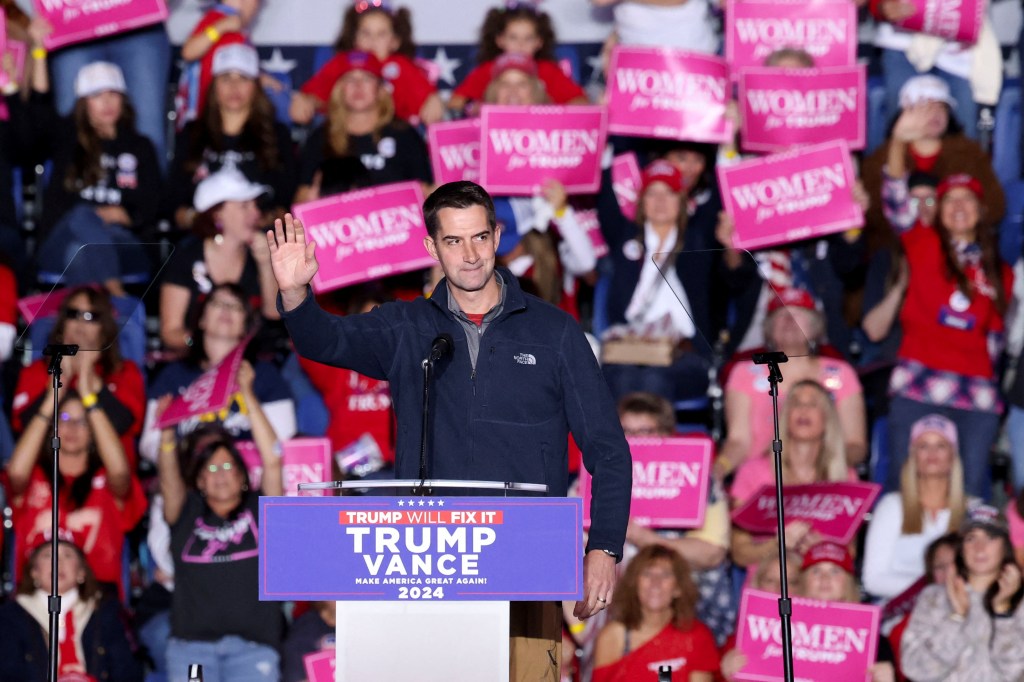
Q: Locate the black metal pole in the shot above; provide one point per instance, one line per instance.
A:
(428, 367)
(772, 360)
(56, 352)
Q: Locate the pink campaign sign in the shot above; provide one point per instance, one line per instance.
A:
(76, 21)
(782, 108)
(520, 147)
(455, 150)
(831, 640)
(663, 93)
(670, 482)
(320, 666)
(803, 193)
(835, 510)
(587, 219)
(305, 460)
(626, 181)
(366, 234)
(253, 462)
(826, 29)
(17, 51)
(958, 20)
(209, 393)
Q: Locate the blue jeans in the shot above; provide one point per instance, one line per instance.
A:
(1015, 429)
(154, 636)
(229, 659)
(898, 70)
(685, 379)
(145, 58)
(111, 251)
(976, 431)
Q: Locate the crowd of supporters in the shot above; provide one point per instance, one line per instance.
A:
(904, 336)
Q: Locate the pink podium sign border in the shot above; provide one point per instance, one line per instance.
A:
(515, 189)
(434, 145)
(804, 231)
(667, 132)
(870, 653)
(669, 522)
(57, 40)
(320, 284)
(858, 141)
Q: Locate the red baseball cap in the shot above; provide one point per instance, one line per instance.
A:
(518, 62)
(960, 180)
(662, 171)
(832, 552)
(361, 61)
(793, 297)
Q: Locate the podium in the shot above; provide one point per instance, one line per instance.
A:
(422, 584)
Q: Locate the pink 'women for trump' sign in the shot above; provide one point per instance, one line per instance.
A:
(305, 460)
(76, 21)
(803, 193)
(626, 181)
(455, 150)
(366, 234)
(835, 510)
(658, 92)
(670, 482)
(782, 108)
(521, 147)
(825, 29)
(958, 20)
(831, 640)
(208, 393)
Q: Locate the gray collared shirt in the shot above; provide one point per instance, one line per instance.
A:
(474, 332)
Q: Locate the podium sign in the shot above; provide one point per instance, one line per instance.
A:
(421, 549)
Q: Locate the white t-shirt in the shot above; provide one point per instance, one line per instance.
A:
(689, 26)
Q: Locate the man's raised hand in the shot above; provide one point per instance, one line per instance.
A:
(292, 259)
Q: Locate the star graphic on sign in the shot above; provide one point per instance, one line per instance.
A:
(277, 63)
(430, 503)
(445, 65)
(440, 503)
(401, 503)
(421, 503)
(412, 503)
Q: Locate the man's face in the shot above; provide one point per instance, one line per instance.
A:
(465, 247)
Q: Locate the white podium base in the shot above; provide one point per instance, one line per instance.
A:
(422, 641)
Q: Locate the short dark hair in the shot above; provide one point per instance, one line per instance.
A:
(460, 194)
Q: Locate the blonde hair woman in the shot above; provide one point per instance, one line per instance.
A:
(930, 502)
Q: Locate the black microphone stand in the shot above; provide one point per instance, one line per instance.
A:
(57, 352)
(428, 373)
(773, 359)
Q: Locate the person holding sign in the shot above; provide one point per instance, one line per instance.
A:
(930, 503)
(521, 376)
(654, 623)
(970, 628)
(814, 453)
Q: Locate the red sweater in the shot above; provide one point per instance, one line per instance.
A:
(561, 89)
(409, 86)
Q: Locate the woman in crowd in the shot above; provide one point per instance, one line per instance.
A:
(813, 453)
(519, 28)
(92, 638)
(223, 320)
(106, 381)
(658, 293)
(925, 136)
(236, 128)
(385, 32)
(952, 319)
(100, 499)
(226, 247)
(216, 618)
(105, 183)
(929, 503)
(970, 627)
(361, 143)
(653, 611)
(795, 325)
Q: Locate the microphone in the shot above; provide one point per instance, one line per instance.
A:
(441, 347)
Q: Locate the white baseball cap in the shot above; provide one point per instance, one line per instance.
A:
(925, 88)
(98, 77)
(227, 184)
(237, 57)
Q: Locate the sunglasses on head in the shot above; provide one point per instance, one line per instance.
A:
(83, 315)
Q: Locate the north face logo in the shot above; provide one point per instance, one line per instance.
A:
(525, 359)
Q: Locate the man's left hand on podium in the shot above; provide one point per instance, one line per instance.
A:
(598, 581)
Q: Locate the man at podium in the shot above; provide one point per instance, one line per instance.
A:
(521, 376)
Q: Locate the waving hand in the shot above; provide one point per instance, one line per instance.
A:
(292, 258)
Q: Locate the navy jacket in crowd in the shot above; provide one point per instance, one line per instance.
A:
(509, 419)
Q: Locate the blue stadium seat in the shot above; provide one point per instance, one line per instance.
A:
(878, 117)
(1006, 138)
(878, 459)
